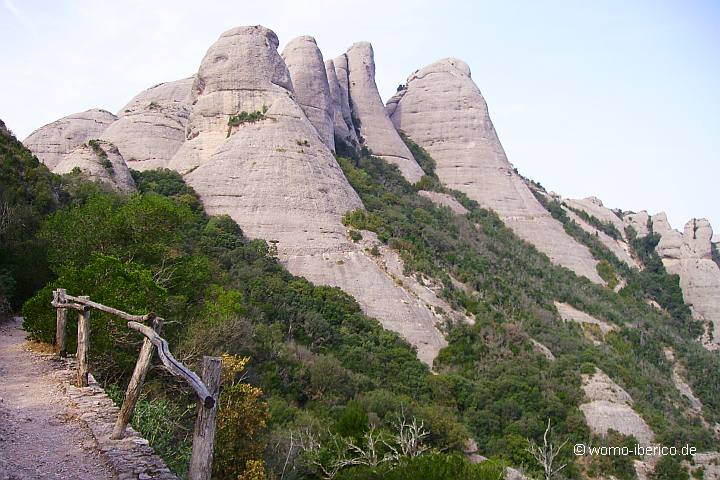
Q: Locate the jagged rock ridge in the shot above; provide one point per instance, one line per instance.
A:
(688, 255)
(442, 110)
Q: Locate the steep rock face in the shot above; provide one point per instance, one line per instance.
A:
(241, 73)
(151, 127)
(312, 92)
(594, 206)
(52, 142)
(280, 182)
(619, 247)
(341, 73)
(373, 125)
(638, 221)
(444, 200)
(443, 111)
(610, 407)
(342, 129)
(688, 255)
(101, 162)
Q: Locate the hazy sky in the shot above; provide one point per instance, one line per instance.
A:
(617, 99)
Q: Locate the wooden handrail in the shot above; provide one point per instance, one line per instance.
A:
(203, 438)
(175, 367)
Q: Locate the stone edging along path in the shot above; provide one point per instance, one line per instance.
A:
(53, 429)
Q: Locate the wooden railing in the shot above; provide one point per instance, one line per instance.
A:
(206, 387)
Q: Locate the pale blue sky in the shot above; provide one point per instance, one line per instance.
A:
(618, 99)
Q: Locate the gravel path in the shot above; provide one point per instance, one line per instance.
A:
(39, 436)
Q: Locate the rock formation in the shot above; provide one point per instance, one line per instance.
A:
(689, 255)
(151, 127)
(593, 206)
(443, 111)
(341, 73)
(374, 128)
(342, 129)
(101, 162)
(610, 407)
(274, 175)
(638, 221)
(619, 247)
(55, 140)
(594, 328)
(310, 83)
(444, 200)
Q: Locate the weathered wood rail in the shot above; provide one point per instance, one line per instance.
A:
(206, 389)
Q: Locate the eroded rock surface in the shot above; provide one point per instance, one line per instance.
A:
(52, 142)
(101, 162)
(372, 123)
(151, 127)
(610, 407)
(593, 206)
(275, 176)
(343, 128)
(617, 246)
(587, 322)
(310, 83)
(638, 221)
(443, 111)
(688, 255)
(444, 200)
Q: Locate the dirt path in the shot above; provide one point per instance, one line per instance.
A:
(39, 436)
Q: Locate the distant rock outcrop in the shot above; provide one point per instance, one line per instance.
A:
(688, 255)
(594, 207)
(151, 127)
(101, 162)
(310, 84)
(442, 110)
(638, 221)
(610, 407)
(52, 142)
(444, 200)
(371, 121)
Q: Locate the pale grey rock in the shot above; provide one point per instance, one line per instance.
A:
(571, 314)
(443, 111)
(444, 200)
(151, 127)
(619, 247)
(670, 239)
(688, 255)
(638, 221)
(341, 72)
(241, 72)
(312, 92)
(610, 407)
(342, 129)
(52, 142)
(594, 206)
(280, 182)
(374, 128)
(111, 170)
(542, 350)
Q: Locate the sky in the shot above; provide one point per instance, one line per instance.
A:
(616, 99)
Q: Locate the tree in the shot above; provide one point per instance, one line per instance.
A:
(546, 454)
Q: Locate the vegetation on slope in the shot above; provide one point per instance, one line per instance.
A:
(320, 378)
(493, 380)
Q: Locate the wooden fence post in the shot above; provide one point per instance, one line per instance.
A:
(136, 383)
(204, 436)
(83, 344)
(60, 324)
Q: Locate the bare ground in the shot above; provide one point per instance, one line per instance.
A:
(40, 438)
